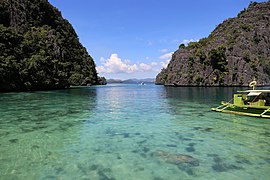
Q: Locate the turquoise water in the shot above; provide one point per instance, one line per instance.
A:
(119, 132)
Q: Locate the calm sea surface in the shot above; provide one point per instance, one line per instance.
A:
(120, 132)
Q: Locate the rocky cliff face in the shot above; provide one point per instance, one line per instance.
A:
(39, 49)
(235, 53)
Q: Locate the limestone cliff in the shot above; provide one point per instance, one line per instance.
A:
(40, 50)
(235, 53)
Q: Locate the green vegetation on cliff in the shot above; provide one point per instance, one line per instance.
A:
(40, 50)
(235, 53)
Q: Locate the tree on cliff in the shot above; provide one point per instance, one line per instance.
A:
(39, 49)
(235, 53)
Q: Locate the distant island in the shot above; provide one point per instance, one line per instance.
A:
(235, 53)
(40, 50)
(132, 81)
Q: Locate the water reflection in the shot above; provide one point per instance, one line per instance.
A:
(201, 94)
(120, 131)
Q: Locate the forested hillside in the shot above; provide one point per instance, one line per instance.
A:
(234, 54)
(39, 49)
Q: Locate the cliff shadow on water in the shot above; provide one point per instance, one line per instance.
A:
(204, 95)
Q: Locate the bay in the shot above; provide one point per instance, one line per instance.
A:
(123, 131)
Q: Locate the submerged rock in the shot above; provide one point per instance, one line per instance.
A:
(176, 158)
(14, 140)
(221, 166)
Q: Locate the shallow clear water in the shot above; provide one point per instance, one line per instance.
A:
(129, 132)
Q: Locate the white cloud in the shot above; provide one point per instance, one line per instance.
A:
(154, 63)
(102, 59)
(145, 67)
(164, 50)
(164, 64)
(101, 69)
(166, 59)
(166, 56)
(115, 65)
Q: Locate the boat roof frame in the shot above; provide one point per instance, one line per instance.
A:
(249, 91)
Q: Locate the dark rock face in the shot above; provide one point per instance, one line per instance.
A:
(102, 81)
(235, 53)
(39, 49)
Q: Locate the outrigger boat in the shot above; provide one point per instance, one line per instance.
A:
(253, 102)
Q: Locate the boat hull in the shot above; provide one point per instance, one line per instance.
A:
(244, 110)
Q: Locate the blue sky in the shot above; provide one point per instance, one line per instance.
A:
(135, 38)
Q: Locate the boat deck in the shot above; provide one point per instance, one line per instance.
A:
(254, 111)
